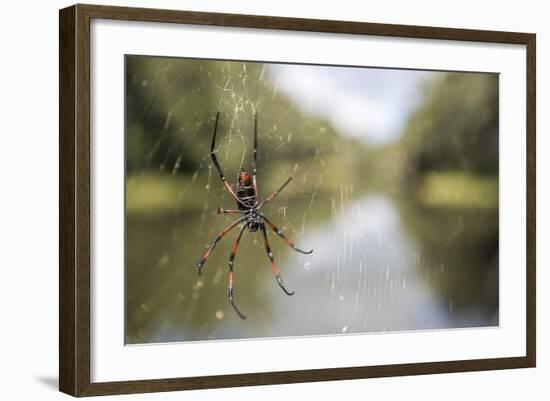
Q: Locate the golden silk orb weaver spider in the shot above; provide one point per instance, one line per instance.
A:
(251, 218)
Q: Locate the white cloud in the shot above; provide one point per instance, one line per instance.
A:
(372, 104)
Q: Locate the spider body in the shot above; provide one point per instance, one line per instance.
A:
(251, 218)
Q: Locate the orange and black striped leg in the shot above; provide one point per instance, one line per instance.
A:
(218, 167)
(231, 259)
(215, 242)
(279, 232)
(274, 194)
(274, 267)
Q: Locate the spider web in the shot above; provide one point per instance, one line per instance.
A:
(366, 274)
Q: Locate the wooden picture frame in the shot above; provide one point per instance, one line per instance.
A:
(74, 204)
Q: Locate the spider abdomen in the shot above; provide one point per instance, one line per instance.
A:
(245, 191)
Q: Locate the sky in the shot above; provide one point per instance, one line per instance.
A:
(367, 103)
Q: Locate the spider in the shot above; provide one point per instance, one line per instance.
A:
(251, 219)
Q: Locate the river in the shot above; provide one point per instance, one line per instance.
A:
(374, 269)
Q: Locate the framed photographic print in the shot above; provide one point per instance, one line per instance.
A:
(251, 200)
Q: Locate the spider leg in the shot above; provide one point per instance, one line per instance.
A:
(279, 232)
(221, 210)
(255, 154)
(274, 194)
(215, 242)
(215, 161)
(274, 267)
(231, 259)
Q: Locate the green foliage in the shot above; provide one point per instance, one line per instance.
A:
(171, 104)
(456, 127)
(458, 190)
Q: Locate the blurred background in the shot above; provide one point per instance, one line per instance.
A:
(395, 188)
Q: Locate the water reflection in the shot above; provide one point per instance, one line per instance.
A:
(373, 269)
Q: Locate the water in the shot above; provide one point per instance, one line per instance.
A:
(380, 263)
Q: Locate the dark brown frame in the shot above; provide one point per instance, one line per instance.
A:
(74, 199)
